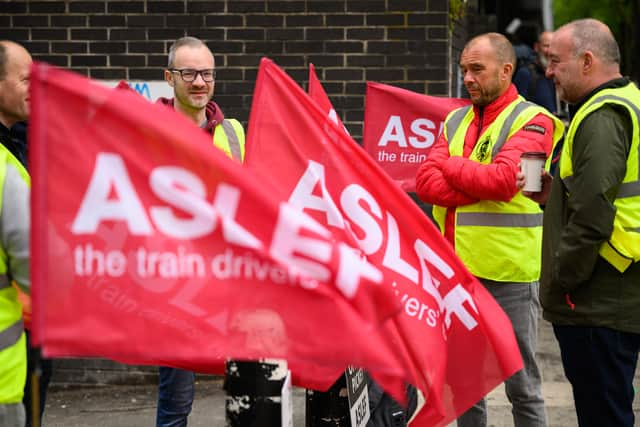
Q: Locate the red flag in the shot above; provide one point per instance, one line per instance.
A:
(400, 126)
(151, 246)
(453, 336)
(317, 93)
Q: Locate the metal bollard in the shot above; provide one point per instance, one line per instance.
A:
(254, 394)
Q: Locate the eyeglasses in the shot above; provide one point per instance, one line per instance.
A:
(189, 75)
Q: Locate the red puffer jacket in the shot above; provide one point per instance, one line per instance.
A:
(449, 181)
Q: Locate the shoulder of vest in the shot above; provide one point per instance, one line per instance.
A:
(533, 109)
(7, 156)
(522, 104)
(454, 119)
(232, 127)
(460, 111)
(234, 122)
(628, 96)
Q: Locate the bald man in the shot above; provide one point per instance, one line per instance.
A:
(470, 178)
(15, 63)
(590, 283)
(529, 76)
(542, 47)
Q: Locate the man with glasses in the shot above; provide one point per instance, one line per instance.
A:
(191, 73)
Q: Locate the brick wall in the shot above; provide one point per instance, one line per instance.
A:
(399, 42)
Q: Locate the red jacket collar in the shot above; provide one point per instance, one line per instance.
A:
(491, 110)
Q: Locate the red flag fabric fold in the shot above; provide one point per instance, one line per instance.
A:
(151, 246)
(453, 338)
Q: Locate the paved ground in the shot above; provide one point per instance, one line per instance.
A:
(117, 406)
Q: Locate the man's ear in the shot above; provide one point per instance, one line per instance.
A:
(168, 76)
(587, 61)
(507, 71)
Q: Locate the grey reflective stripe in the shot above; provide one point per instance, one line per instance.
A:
(508, 123)
(234, 144)
(627, 189)
(635, 230)
(454, 122)
(4, 281)
(11, 335)
(620, 99)
(486, 219)
(568, 181)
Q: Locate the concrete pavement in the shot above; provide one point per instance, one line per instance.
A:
(116, 406)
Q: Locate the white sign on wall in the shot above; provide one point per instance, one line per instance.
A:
(151, 90)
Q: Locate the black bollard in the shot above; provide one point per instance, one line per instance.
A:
(254, 394)
(328, 408)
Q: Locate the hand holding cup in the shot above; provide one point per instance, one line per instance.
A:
(531, 165)
(532, 175)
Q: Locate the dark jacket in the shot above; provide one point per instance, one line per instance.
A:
(15, 140)
(530, 80)
(575, 225)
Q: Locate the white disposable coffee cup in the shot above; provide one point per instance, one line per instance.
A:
(531, 165)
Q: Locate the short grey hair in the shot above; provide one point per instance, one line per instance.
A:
(592, 35)
(184, 41)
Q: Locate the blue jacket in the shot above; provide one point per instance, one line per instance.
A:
(530, 80)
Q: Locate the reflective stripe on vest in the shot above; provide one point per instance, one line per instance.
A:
(623, 247)
(4, 281)
(11, 335)
(627, 189)
(493, 230)
(453, 123)
(457, 117)
(492, 219)
(232, 140)
(508, 124)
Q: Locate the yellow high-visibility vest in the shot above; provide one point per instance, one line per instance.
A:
(623, 247)
(13, 346)
(229, 137)
(499, 241)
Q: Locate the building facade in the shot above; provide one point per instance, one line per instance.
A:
(405, 43)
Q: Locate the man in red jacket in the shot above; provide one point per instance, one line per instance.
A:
(470, 178)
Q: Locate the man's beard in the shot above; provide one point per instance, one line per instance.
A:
(544, 61)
